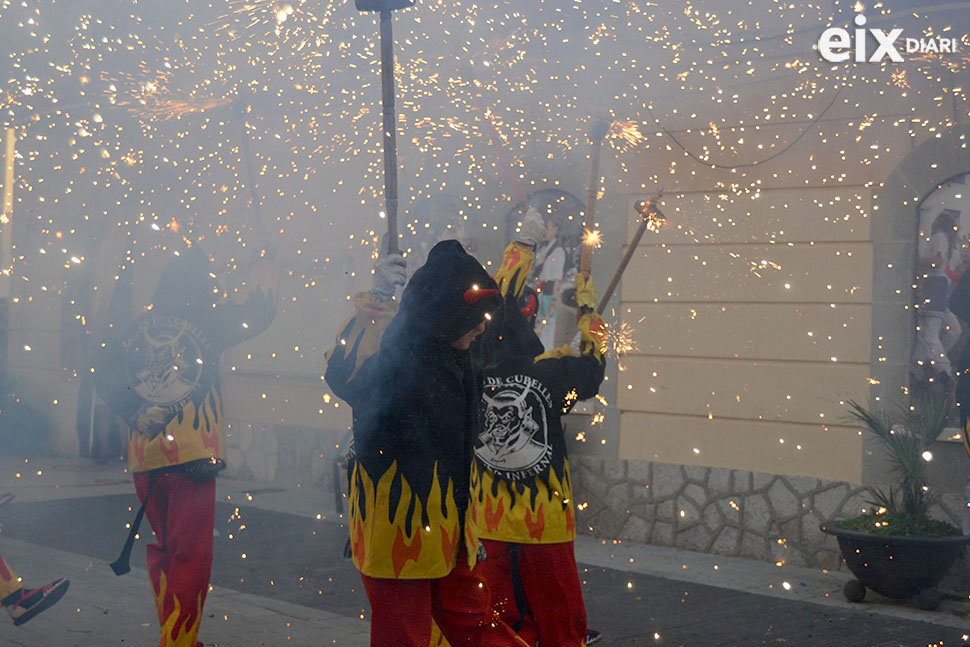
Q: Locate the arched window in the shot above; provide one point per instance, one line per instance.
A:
(943, 253)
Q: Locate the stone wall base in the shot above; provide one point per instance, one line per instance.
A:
(726, 512)
(283, 455)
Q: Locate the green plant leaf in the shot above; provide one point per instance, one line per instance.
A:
(906, 431)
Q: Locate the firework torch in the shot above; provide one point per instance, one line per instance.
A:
(650, 218)
(387, 102)
(597, 132)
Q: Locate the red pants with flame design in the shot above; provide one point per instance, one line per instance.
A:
(556, 614)
(181, 511)
(401, 611)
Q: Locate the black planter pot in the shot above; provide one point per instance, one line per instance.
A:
(896, 567)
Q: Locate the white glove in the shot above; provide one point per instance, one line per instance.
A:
(390, 272)
(533, 228)
(151, 421)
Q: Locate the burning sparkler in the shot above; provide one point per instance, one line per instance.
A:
(593, 238)
(624, 135)
(621, 339)
(651, 216)
(170, 85)
(274, 24)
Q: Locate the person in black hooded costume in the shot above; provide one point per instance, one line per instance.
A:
(521, 491)
(409, 378)
(158, 369)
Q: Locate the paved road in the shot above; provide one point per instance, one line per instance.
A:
(298, 560)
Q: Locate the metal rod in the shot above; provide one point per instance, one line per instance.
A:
(628, 254)
(390, 137)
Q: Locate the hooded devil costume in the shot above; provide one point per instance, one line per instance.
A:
(159, 371)
(415, 401)
(521, 492)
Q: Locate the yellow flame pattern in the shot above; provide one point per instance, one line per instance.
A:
(502, 517)
(8, 580)
(369, 321)
(516, 267)
(197, 432)
(379, 537)
(177, 630)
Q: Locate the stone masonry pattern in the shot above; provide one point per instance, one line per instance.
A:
(726, 512)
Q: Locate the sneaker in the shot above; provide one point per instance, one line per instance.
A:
(23, 605)
(593, 636)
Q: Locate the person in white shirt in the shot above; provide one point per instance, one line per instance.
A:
(550, 265)
(937, 327)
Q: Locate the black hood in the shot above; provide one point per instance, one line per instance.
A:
(185, 282)
(445, 299)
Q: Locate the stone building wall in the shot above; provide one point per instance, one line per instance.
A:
(284, 455)
(727, 512)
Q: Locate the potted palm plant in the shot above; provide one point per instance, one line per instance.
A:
(897, 549)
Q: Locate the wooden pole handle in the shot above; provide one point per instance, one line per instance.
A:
(389, 128)
(649, 206)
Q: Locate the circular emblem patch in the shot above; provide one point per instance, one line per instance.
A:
(165, 359)
(514, 442)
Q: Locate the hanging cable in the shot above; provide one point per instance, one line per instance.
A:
(707, 163)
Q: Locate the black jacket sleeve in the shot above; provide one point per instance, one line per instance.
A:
(234, 323)
(111, 378)
(352, 362)
(576, 378)
(960, 298)
(348, 380)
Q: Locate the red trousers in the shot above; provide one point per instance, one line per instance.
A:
(402, 610)
(555, 615)
(181, 511)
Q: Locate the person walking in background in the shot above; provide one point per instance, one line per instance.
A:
(159, 371)
(408, 376)
(938, 328)
(549, 271)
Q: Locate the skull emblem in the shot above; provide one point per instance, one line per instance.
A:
(509, 424)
